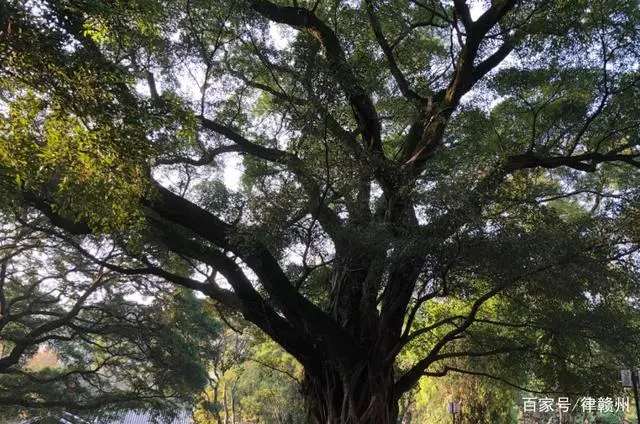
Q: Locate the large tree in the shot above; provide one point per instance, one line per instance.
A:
(394, 156)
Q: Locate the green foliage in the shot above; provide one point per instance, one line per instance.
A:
(480, 401)
(71, 153)
(420, 183)
(252, 380)
(106, 341)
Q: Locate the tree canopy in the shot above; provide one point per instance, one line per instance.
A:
(77, 335)
(383, 187)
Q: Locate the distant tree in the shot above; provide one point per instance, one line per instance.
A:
(253, 380)
(217, 400)
(112, 339)
(404, 166)
(268, 388)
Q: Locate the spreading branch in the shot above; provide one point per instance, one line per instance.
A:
(587, 162)
(361, 102)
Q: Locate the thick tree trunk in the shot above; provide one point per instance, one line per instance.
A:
(358, 388)
(360, 395)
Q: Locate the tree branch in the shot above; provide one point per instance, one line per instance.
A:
(400, 79)
(274, 368)
(34, 337)
(206, 159)
(479, 354)
(463, 12)
(447, 369)
(427, 132)
(330, 221)
(296, 307)
(360, 101)
(587, 162)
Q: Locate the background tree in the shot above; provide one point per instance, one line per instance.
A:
(218, 399)
(113, 340)
(395, 155)
(252, 380)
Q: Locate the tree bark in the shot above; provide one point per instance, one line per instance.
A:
(362, 394)
(215, 400)
(233, 407)
(225, 405)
